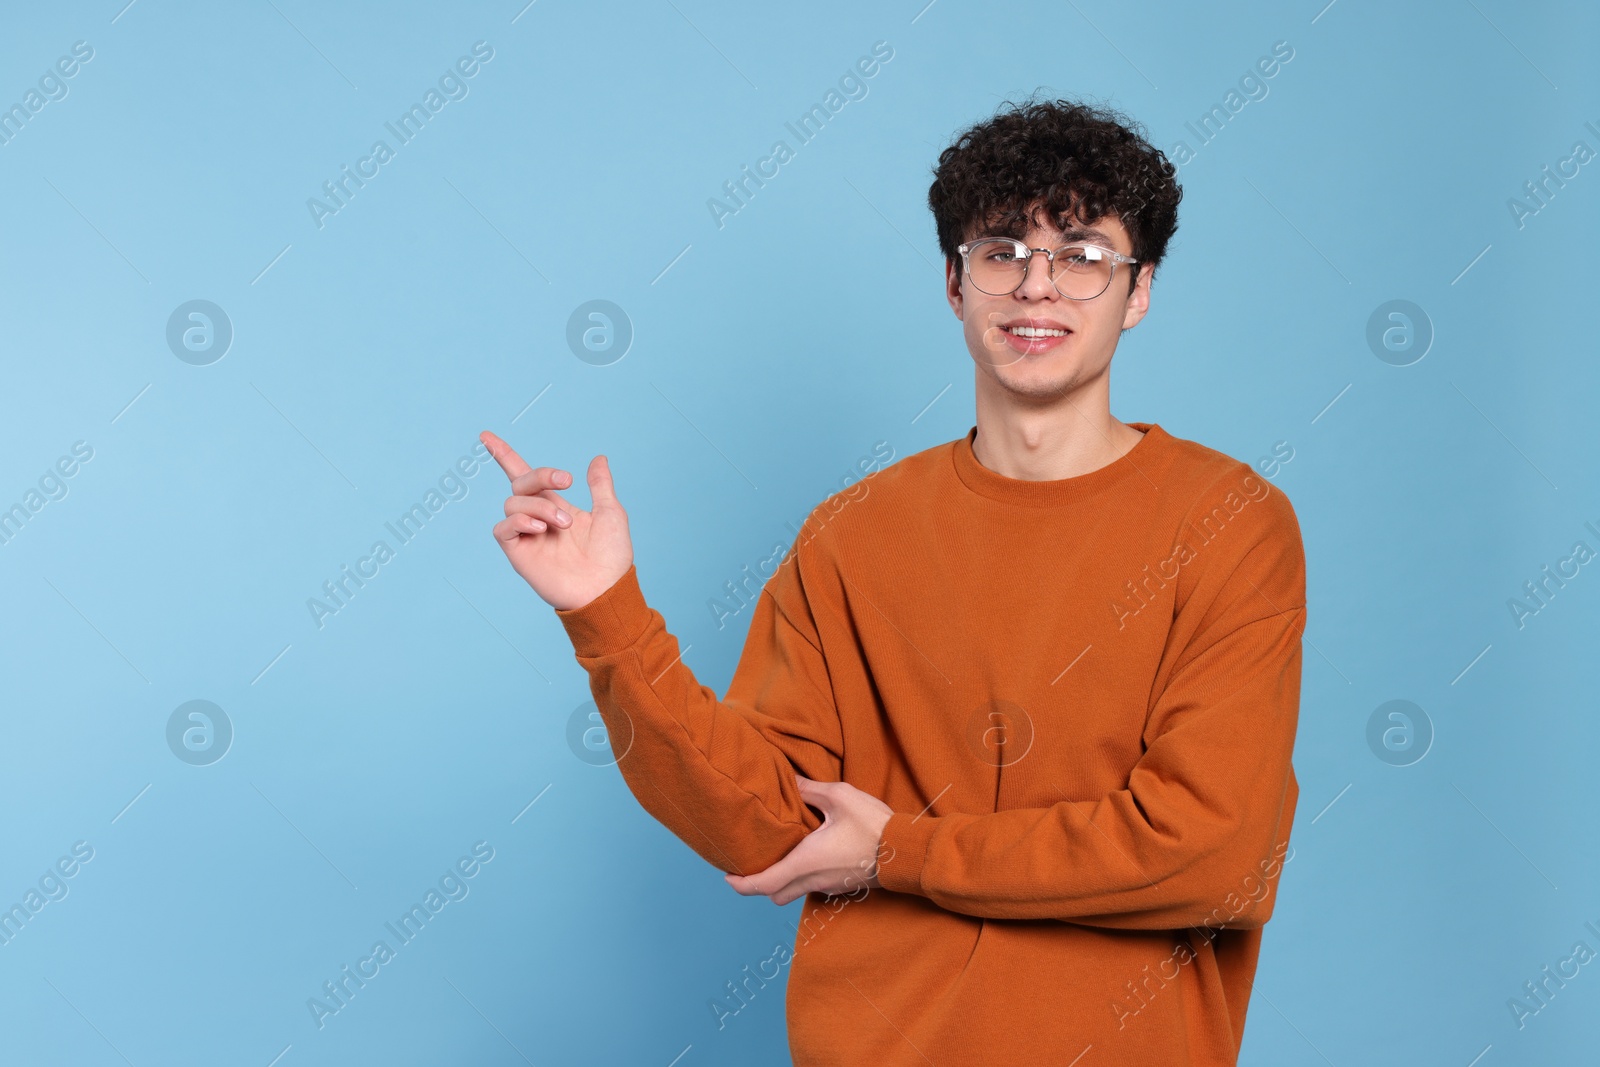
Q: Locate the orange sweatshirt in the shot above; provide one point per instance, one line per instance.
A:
(1079, 697)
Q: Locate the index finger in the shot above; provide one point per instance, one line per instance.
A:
(525, 480)
(504, 455)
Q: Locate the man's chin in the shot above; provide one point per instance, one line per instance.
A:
(1035, 383)
(1001, 359)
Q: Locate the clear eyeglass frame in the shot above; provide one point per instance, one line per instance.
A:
(1112, 255)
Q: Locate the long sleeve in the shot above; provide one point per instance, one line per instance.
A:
(719, 774)
(1197, 835)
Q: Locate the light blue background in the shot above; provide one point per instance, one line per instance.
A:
(777, 349)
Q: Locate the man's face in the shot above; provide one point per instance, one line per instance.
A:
(1049, 367)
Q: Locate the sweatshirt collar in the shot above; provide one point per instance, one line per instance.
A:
(985, 482)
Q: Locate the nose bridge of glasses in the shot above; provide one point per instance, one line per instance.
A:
(1048, 270)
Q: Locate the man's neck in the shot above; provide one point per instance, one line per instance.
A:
(1048, 443)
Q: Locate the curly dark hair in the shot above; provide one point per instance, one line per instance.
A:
(1074, 160)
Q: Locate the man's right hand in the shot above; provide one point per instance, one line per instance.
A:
(569, 561)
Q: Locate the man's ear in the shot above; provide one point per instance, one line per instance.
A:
(952, 285)
(1139, 299)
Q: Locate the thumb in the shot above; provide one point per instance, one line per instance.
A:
(601, 489)
(813, 792)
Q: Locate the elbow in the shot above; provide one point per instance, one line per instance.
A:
(1234, 914)
(730, 828)
(1237, 894)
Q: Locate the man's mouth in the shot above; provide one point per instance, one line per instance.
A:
(1033, 337)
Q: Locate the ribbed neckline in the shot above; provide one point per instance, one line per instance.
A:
(996, 486)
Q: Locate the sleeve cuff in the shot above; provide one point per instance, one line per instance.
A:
(611, 621)
(902, 850)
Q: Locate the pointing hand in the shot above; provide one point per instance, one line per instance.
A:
(569, 556)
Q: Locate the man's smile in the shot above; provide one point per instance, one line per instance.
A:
(1029, 336)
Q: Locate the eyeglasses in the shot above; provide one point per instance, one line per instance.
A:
(998, 265)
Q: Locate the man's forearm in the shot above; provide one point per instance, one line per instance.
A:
(704, 768)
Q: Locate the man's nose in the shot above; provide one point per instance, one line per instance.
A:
(1036, 282)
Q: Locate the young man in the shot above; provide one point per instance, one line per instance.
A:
(1041, 682)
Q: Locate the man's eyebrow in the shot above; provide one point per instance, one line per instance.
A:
(1086, 233)
(1078, 233)
(1068, 236)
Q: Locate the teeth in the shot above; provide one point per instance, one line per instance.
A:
(1033, 331)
